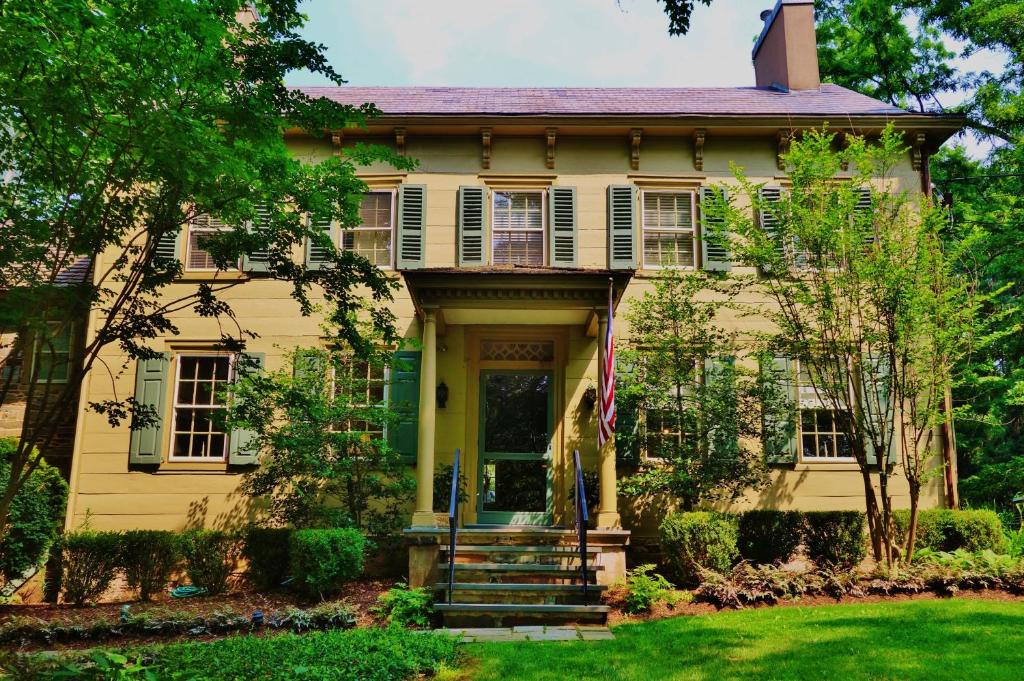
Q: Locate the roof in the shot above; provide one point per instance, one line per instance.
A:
(76, 273)
(828, 100)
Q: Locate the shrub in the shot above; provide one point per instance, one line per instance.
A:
(148, 557)
(835, 538)
(89, 561)
(35, 516)
(405, 607)
(769, 536)
(943, 529)
(644, 588)
(210, 558)
(266, 550)
(323, 560)
(694, 541)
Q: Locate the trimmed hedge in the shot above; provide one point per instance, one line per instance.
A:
(943, 529)
(835, 538)
(695, 541)
(89, 561)
(266, 550)
(769, 537)
(148, 557)
(324, 560)
(210, 558)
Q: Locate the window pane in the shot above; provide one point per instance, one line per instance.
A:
(372, 244)
(197, 397)
(668, 249)
(518, 228)
(668, 209)
(199, 259)
(516, 413)
(519, 248)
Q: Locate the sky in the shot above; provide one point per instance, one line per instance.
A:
(543, 43)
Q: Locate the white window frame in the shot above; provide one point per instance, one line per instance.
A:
(386, 397)
(394, 230)
(813, 403)
(36, 343)
(675, 230)
(543, 223)
(696, 383)
(231, 357)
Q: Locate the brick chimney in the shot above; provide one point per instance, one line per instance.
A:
(786, 52)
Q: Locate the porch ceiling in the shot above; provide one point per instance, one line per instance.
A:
(514, 295)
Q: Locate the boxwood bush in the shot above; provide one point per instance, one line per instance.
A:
(148, 557)
(835, 538)
(322, 560)
(89, 562)
(266, 550)
(691, 541)
(943, 529)
(35, 517)
(769, 537)
(210, 558)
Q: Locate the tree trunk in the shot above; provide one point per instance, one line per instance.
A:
(871, 511)
(911, 539)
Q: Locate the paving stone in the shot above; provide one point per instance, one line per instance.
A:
(555, 634)
(527, 629)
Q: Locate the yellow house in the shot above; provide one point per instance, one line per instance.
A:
(525, 204)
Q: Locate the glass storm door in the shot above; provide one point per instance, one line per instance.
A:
(515, 448)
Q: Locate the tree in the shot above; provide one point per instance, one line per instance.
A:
(700, 411)
(867, 298)
(679, 12)
(319, 425)
(123, 122)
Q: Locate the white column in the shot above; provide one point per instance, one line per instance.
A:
(424, 514)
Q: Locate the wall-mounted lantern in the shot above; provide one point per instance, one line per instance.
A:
(441, 395)
(590, 397)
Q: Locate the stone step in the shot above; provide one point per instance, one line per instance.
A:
(557, 549)
(514, 614)
(520, 593)
(537, 568)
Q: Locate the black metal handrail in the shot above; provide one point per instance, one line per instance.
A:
(582, 518)
(453, 506)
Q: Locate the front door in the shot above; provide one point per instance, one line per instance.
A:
(516, 419)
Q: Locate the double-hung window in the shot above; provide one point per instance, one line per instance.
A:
(517, 228)
(51, 353)
(822, 428)
(364, 385)
(668, 419)
(197, 259)
(199, 388)
(374, 237)
(667, 225)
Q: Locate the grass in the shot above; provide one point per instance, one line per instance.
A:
(947, 639)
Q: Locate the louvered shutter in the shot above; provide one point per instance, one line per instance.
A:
(243, 450)
(472, 226)
(723, 440)
(146, 444)
(168, 248)
(876, 395)
(258, 262)
(779, 424)
(863, 208)
(769, 220)
(404, 403)
(622, 247)
(412, 227)
(317, 255)
(713, 239)
(562, 225)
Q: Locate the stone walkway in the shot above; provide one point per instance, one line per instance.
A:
(533, 633)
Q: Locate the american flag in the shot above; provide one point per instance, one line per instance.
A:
(606, 426)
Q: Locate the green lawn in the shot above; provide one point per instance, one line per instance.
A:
(948, 639)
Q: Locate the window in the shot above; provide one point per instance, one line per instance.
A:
(374, 237)
(822, 429)
(517, 228)
(364, 385)
(10, 352)
(198, 395)
(199, 230)
(51, 353)
(668, 232)
(666, 429)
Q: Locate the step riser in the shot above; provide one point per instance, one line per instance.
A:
(567, 560)
(520, 597)
(491, 577)
(470, 620)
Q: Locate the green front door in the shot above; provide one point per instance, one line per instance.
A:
(516, 419)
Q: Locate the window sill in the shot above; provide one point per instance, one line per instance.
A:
(213, 276)
(842, 465)
(193, 467)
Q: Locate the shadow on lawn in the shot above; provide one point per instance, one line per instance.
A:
(918, 640)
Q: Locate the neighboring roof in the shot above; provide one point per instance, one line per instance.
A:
(75, 273)
(829, 100)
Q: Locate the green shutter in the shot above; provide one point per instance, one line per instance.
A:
(151, 375)
(719, 374)
(412, 227)
(879, 404)
(242, 450)
(258, 262)
(472, 226)
(622, 249)
(714, 241)
(169, 246)
(562, 220)
(779, 427)
(404, 403)
(318, 255)
(308, 361)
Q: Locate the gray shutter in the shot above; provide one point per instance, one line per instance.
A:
(864, 207)
(780, 432)
(714, 242)
(472, 226)
(308, 361)
(169, 246)
(767, 219)
(622, 250)
(151, 375)
(242, 451)
(316, 255)
(880, 370)
(412, 227)
(716, 371)
(562, 225)
(258, 262)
